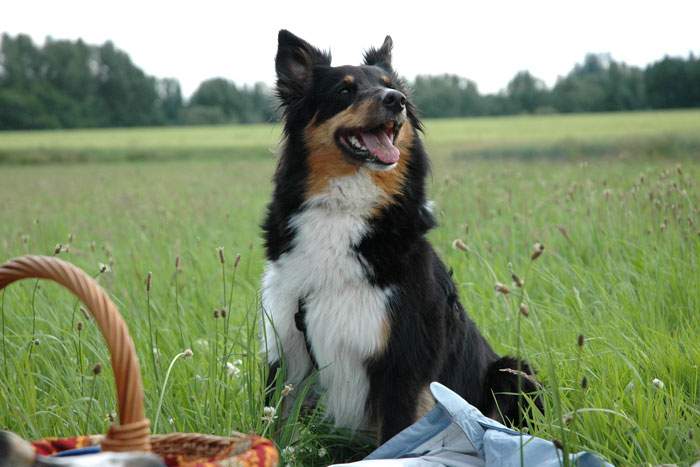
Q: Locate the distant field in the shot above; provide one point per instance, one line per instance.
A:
(613, 197)
(675, 131)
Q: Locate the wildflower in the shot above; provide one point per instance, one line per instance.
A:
(110, 417)
(103, 268)
(269, 414)
(288, 452)
(287, 389)
(458, 244)
(232, 369)
(57, 249)
(658, 384)
(500, 288)
(216, 314)
(222, 312)
(187, 353)
(537, 251)
(203, 343)
(171, 421)
(322, 452)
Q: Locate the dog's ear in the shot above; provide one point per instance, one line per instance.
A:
(295, 63)
(380, 57)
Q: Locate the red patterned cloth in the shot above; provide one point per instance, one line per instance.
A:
(246, 451)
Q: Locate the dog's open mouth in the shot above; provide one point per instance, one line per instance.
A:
(376, 144)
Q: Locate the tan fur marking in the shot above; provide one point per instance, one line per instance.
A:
(386, 80)
(326, 160)
(424, 403)
(349, 79)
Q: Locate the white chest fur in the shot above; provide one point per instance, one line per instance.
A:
(346, 316)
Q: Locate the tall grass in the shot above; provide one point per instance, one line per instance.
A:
(620, 267)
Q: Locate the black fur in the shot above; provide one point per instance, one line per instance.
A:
(431, 336)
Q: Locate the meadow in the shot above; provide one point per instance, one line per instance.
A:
(612, 303)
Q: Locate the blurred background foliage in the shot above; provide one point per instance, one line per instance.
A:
(71, 84)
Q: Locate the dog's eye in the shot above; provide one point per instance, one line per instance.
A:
(345, 92)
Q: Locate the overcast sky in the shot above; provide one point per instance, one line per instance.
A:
(486, 41)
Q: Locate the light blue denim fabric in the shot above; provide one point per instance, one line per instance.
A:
(456, 434)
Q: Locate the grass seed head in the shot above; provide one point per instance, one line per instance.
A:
(57, 249)
(149, 278)
(97, 369)
(524, 310)
(177, 263)
(580, 340)
(537, 251)
(222, 312)
(584, 383)
(501, 288)
(517, 280)
(220, 250)
(236, 261)
(216, 314)
(79, 326)
(458, 244)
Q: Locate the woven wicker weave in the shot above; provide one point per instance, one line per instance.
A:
(132, 433)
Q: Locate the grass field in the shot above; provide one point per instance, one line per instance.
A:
(614, 198)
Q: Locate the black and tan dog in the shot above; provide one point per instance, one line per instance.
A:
(352, 287)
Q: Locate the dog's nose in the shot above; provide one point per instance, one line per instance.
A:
(394, 100)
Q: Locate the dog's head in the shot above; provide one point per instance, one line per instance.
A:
(350, 116)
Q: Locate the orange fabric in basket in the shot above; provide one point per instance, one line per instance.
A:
(260, 453)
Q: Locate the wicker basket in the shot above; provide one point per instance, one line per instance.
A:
(132, 433)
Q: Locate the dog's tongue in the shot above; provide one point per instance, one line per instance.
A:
(380, 146)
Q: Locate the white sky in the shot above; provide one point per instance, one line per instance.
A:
(486, 41)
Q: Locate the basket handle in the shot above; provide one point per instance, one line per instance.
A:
(133, 431)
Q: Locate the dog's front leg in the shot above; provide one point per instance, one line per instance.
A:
(284, 345)
(396, 401)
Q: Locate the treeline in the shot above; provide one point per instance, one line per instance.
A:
(69, 84)
(599, 84)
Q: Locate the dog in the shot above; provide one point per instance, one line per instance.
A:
(352, 288)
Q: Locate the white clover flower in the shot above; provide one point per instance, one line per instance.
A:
(287, 389)
(269, 414)
(232, 369)
(202, 343)
(322, 452)
(658, 384)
